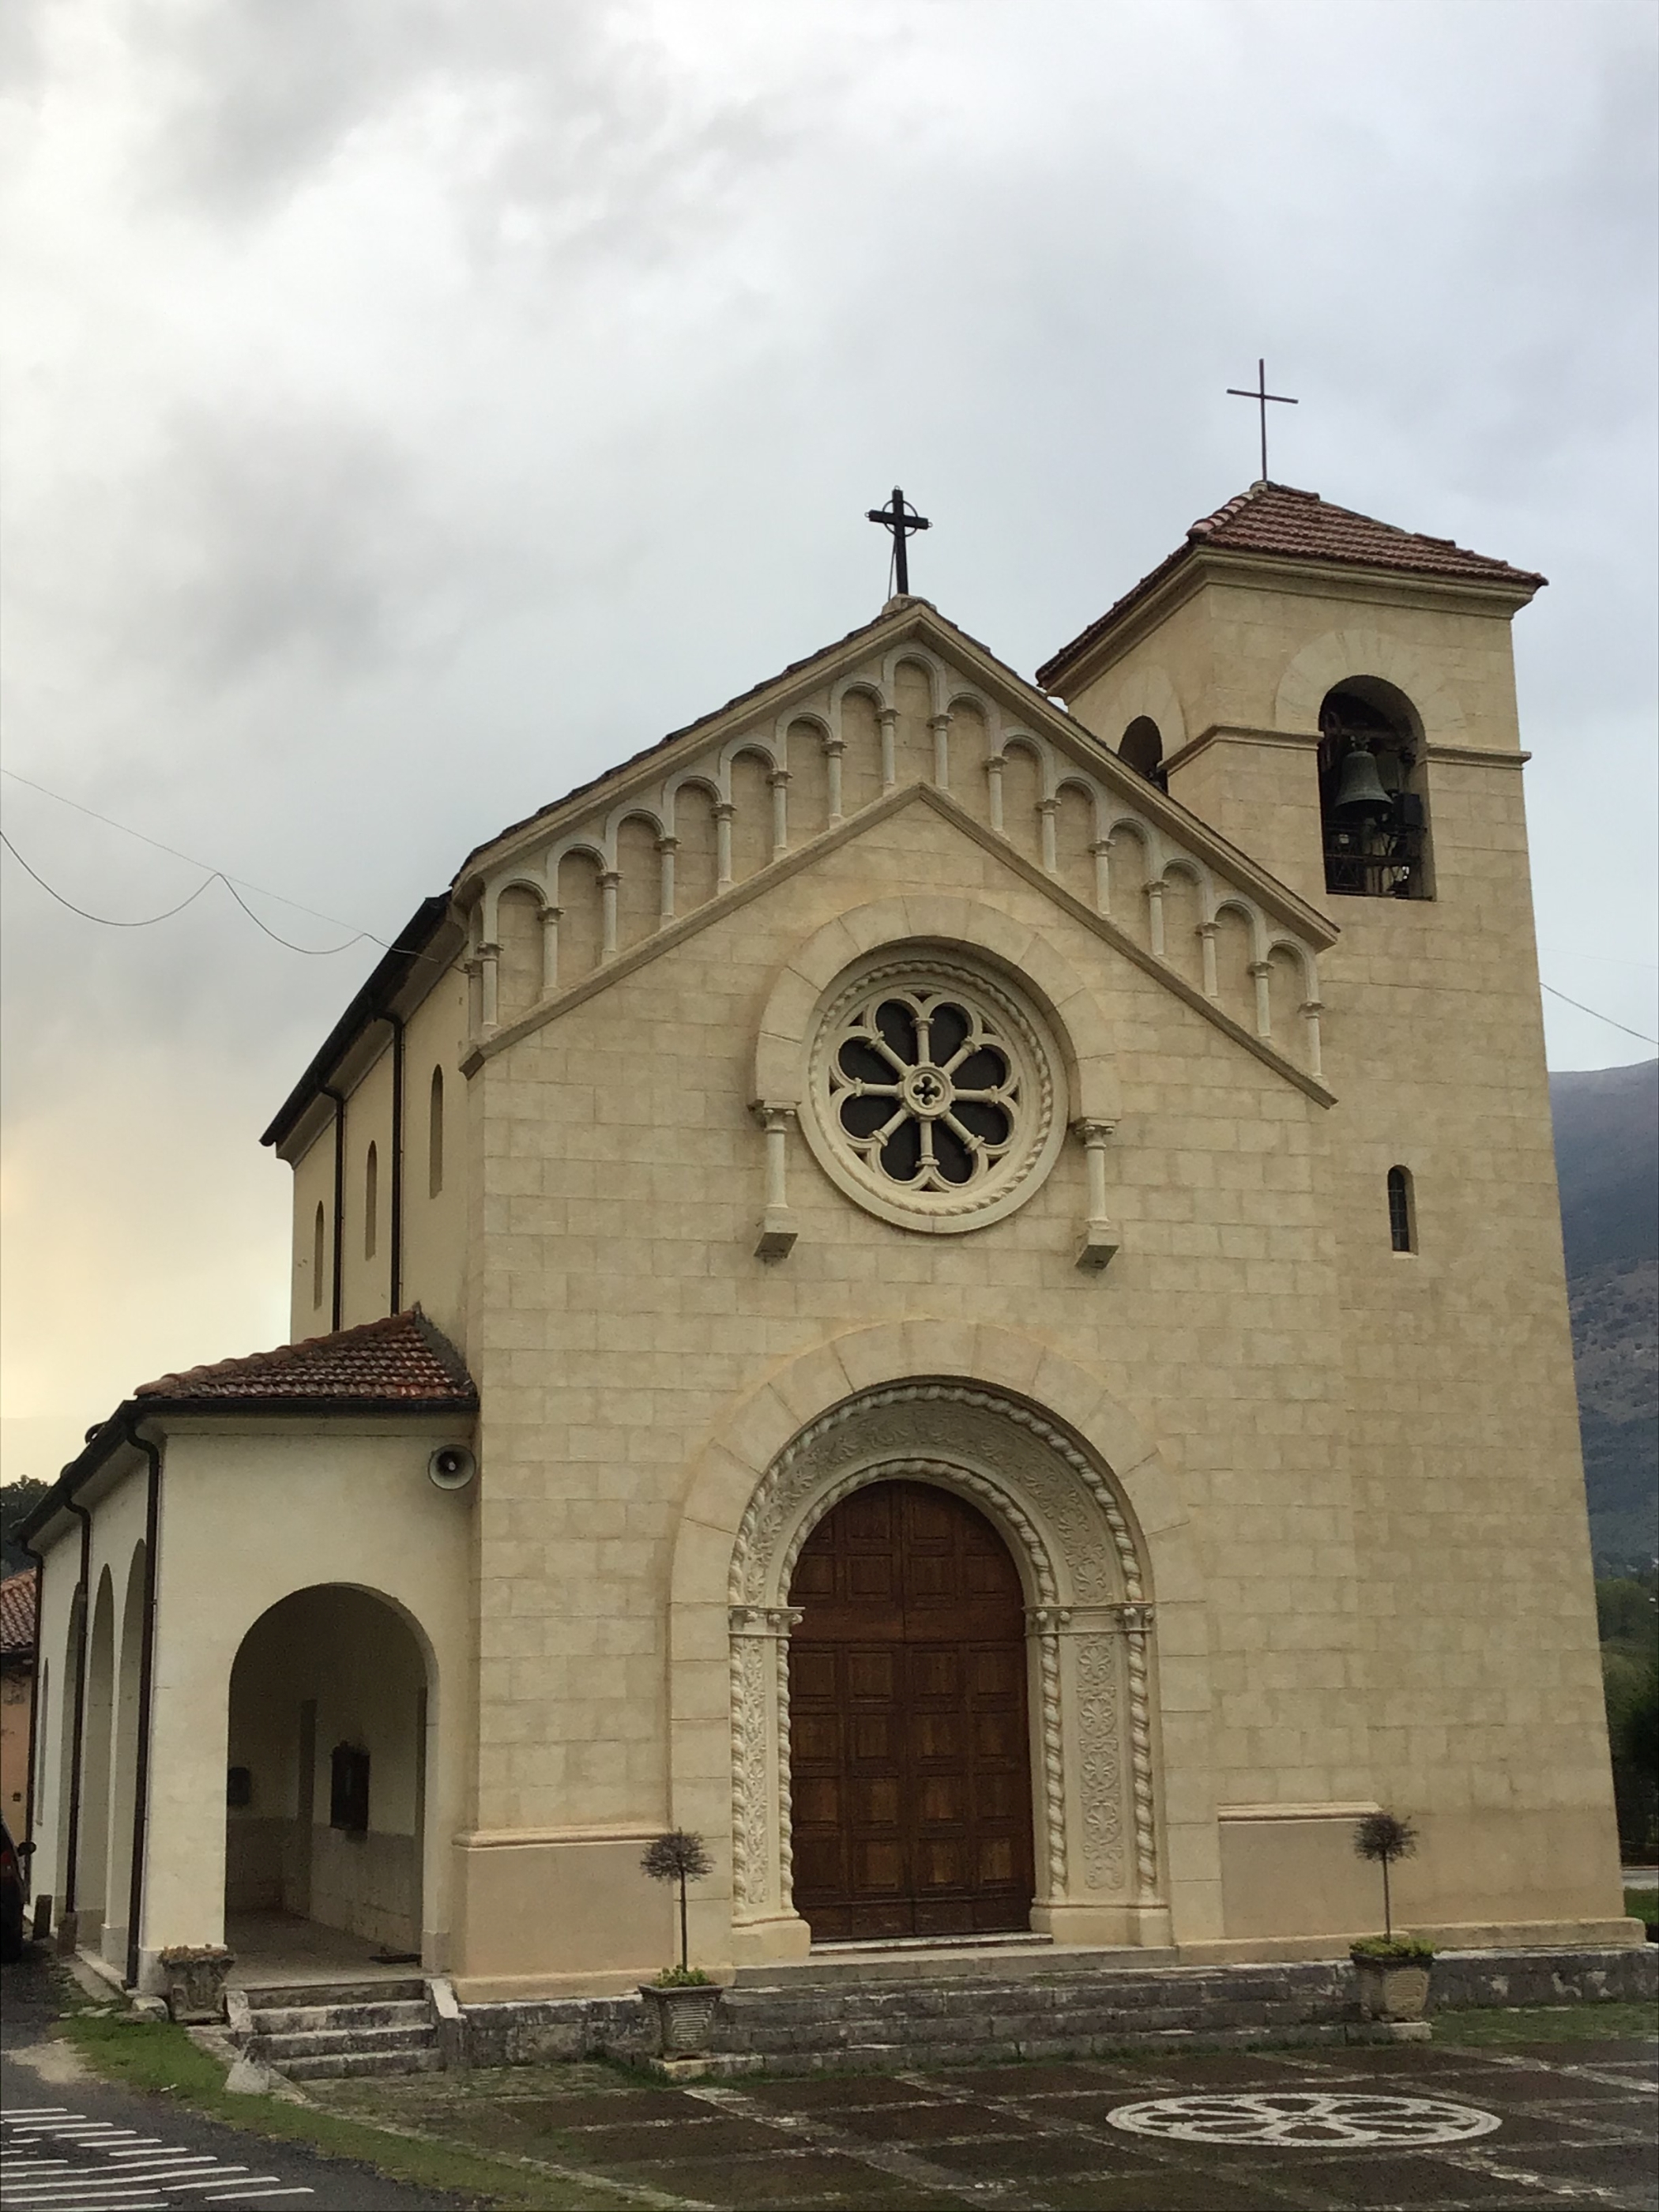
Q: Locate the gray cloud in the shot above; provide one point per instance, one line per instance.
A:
(411, 408)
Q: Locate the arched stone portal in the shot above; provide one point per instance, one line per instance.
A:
(1087, 1620)
(326, 1772)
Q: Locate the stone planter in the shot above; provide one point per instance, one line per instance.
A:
(681, 2018)
(1392, 1989)
(196, 1982)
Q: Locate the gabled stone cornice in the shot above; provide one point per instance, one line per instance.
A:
(792, 864)
(913, 622)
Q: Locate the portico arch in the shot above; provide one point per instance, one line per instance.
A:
(1087, 1510)
(326, 1769)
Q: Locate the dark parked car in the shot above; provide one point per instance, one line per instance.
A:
(11, 1898)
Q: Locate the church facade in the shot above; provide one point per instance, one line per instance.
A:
(955, 1284)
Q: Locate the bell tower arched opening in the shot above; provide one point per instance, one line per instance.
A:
(1373, 804)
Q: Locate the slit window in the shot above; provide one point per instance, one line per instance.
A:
(348, 1789)
(436, 1135)
(318, 1254)
(371, 1201)
(1402, 1223)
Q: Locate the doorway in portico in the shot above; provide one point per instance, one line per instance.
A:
(908, 1731)
(325, 1783)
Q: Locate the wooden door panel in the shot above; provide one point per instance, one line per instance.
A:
(911, 1792)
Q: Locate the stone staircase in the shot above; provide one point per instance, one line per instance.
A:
(831, 2020)
(308, 2030)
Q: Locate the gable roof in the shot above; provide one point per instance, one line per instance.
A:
(17, 1614)
(1279, 521)
(401, 1360)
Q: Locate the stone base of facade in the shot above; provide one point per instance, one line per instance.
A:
(1059, 2008)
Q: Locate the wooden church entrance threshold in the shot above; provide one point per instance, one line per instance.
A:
(909, 1745)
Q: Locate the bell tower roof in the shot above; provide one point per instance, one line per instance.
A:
(1277, 522)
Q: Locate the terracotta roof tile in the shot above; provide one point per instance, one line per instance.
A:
(403, 1359)
(17, 1613)
(1299, 526)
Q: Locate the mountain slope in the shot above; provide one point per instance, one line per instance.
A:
(1606, 1159)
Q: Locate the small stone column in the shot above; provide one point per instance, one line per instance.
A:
(489, 956)
(666, 849)
(1207, 937)
(1101, 1239)
(779, 1227)
(834, 748)
(609, 880)
(550, 951)
(778, 779)
(723, 812)
(940, 726)
(888, 718)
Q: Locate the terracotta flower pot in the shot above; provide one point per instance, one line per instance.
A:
(196, 1983)
(1392, 1989)
(681, 2018)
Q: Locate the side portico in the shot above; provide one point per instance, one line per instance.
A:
(257, 1652)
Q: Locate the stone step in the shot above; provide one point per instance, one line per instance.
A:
(337, 2065)
(331, 2042)
(395, 1989)
(301, 2019)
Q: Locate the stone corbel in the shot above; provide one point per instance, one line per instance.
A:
(1101, 1239)
(779, 1227)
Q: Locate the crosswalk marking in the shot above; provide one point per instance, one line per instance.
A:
(133, 2172)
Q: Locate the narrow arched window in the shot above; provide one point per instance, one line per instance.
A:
(1142, 748)
(434, 1135)
(318, 1254)
(1403, 1213)
(371, 1201)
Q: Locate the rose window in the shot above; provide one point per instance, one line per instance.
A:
(925, 1090)
(933, 1093)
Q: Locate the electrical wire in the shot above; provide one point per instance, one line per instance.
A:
(150, 920)
(262, 889)
(1639, 1034)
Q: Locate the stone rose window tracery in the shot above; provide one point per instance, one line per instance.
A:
(925, 1090)
(932, 1091)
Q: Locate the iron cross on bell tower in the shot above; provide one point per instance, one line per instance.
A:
(902, 518)
(1263, 398)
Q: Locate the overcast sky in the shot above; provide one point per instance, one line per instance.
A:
(413, 405)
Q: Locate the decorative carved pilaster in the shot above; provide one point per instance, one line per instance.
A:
(752, 1627)
(1099, 1760)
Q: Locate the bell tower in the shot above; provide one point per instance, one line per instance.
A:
(1337, 697)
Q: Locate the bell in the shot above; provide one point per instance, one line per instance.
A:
(1360, 789)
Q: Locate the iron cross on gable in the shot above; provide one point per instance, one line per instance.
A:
(902, 518)
(1262, 396)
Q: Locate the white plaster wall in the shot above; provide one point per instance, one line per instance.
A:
(248, 1518)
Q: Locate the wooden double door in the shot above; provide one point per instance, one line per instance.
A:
(909, 1740)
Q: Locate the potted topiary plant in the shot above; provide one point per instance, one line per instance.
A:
(681, 2001)
(196, 1976)
(1394, 1970)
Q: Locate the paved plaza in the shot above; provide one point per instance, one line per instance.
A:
(1404, 2126)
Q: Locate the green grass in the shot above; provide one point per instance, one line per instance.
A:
(1486, 2026)
(1644, 1904)
(155, 2058)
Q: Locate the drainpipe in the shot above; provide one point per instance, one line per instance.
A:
(338, 1308)
(146, 1687)
(27, 1852)
(72, 1851)
(397, 1025)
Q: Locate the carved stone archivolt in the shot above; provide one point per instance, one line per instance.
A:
(1089, 1623)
